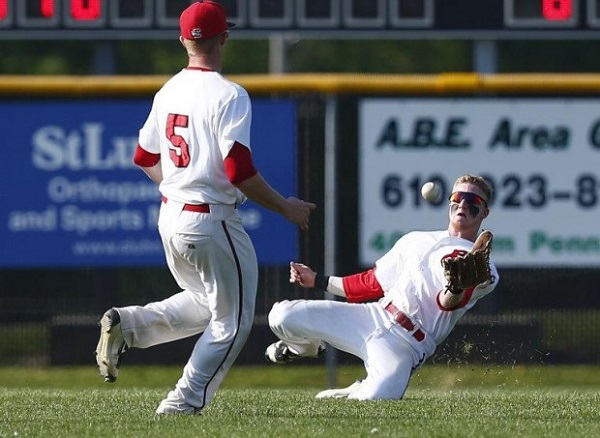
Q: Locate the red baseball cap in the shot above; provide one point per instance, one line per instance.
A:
(203, 19)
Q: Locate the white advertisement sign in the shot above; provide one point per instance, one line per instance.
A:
(542, 156)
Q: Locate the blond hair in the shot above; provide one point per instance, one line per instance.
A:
(480, 182)
(202, 47)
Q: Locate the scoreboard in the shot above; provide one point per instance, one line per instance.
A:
(414, 19)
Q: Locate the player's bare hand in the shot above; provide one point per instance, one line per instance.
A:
(298, 211)
(302, 275)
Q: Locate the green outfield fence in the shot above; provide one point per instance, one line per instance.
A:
(537, 315)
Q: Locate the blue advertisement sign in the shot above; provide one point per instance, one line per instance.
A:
(71, 195)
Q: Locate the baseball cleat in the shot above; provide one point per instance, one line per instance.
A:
(178, 409)
(110, 346)
(280, 353)
(339, 393)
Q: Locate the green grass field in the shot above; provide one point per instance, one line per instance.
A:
(278, 401)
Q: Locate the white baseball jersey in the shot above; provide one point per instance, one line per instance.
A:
(222, 115)
(412, 276)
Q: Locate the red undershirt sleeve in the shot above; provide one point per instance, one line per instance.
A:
(144, 158)
(362, 287)
(238, 164)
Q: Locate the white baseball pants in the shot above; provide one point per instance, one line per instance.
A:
(213, 260)
(364, 330)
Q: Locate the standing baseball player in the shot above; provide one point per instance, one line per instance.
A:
(422, 286)
(196, 145)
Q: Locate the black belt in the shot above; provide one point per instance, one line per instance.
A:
(198, 208)
(405, 322)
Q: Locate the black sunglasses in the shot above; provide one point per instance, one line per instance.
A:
(468, 197)
(473, 201)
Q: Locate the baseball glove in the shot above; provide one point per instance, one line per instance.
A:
(471, 269)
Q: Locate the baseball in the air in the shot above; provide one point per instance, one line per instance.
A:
(431, 191)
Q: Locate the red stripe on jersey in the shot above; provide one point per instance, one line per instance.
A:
(362, 287)
(198, 68)
(466, 298)
(238, 164)
(144, 158)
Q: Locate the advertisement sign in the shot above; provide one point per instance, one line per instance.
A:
(71, 195)
(540, 155)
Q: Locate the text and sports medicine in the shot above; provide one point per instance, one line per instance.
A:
(80, 201)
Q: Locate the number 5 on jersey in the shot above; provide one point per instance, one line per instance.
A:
(180, 152)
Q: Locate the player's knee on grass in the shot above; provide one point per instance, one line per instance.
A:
(288, 318)
(278, 315)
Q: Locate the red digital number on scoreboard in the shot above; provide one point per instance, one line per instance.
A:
(80, 10)
(47, 8)
(557, 10)
(85, 9)
(3, 9)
